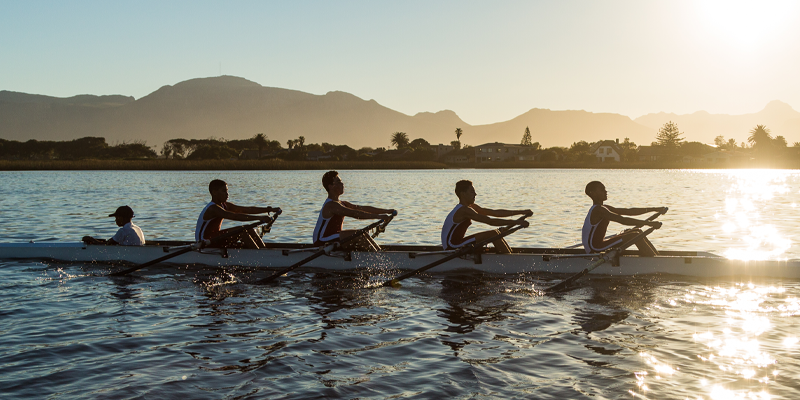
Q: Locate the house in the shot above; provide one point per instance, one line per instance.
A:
(249, 155)
(496, 152)
(317, 156)
(651, 153)
(441, 149)
(460, 156)
(607, 150)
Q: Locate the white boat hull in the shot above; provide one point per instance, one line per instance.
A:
(529, 260)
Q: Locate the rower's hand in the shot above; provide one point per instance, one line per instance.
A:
(654, 224)
(276, 210)
(265, 219)
(393, 212)
(663, 210)
(527, 213)
(523, 223)
(385, 217)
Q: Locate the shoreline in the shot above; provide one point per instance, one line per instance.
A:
(277, 165)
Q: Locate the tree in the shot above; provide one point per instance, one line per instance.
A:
(419, 144)
(290, 144)
(526, 138)
(628, 150)
(399, 139)
(780, 142)
(731, 144)
(719, 141)
(459, 132)
(669, 136)
(300, 141)
(760, 137)
(456, 145)
(260, 140)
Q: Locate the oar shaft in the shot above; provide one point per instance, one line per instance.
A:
(465, 250)
(321, 252)
(195, 246)
(566, 282)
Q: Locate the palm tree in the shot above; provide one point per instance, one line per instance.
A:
(260, 140)
(290, 143)
(300, 141)
(459, 132)
(760, 137)
(399, 139)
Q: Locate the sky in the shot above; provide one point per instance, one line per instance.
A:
(489, 61)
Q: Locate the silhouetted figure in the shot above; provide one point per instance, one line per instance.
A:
(128, 233)
(210, 220)
(456, 224)
(596, 223)
(331, 216)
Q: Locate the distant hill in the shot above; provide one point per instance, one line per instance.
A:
(236, 108)
(702, 126)
(562, 128)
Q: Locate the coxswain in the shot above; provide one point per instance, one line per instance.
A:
(210, 220)
(128, 233)
(596, 223)
(456, 224)
(331, 217)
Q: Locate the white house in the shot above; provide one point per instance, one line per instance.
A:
(607, 150)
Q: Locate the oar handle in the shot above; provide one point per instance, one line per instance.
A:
(654, 216)
(382, 225)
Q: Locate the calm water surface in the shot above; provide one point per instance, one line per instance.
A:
(67, 333)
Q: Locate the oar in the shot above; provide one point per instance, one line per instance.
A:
(196, 246)
(652, 217)
(464, 250)
(379, 226)
(608, 256)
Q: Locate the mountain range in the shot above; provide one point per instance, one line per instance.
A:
(236, 108)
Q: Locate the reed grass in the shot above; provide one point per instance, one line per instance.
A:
(265, 165)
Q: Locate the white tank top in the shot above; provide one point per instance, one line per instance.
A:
(324, 225)
(588, 231)
(202, 224)
(452, 230)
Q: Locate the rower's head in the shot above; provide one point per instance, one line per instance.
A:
(332, 183)
(465, 192)
(219, 191)
(122, 216)
(597, 191)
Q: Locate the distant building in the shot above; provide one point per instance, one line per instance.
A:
(496, 152)
(317, 156)
(460, 156)
(440, 149)
(651, 153)
(538, 155)
(607, 150)
(249, 155)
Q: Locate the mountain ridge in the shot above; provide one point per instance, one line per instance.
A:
(237, 108)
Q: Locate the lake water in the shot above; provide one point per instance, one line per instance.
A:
(67, 333)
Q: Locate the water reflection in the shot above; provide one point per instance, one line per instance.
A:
(751, 195)
(742, 333)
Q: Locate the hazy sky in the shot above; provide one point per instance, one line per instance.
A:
(488, 61)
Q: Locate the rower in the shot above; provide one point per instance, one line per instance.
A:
(210, 220)
(331, 217)
(466, 211)
(128, 233)
(596, 223)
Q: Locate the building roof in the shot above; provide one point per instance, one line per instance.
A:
(495, 144)
(609, 143)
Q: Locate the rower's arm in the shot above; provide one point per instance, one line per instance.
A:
(475, 215)
(610, 214)
(369, 209)
(251, 210)
(636, 211)
(500, 213)
(343, 209)
(217, 211)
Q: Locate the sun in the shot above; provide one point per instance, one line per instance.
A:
(746, 23)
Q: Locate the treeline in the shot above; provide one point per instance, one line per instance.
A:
(83, 148)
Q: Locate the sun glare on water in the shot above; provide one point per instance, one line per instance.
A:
(752, 193)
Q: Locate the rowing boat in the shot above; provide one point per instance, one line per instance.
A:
(278, 255)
